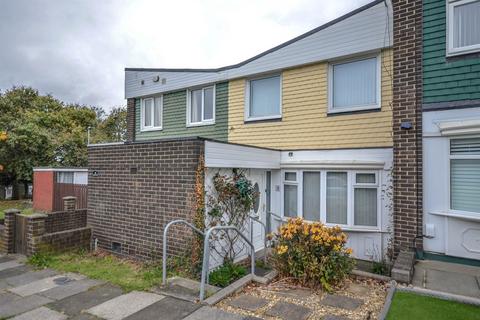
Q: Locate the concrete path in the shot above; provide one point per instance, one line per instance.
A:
(26, 294)
(447, 277)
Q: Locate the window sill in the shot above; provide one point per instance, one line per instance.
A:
(464, 215)
(263, 119)
(200, 124)
(151, 129)
(353, 110)
(460, 52)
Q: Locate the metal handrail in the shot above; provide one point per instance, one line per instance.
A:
(206, 254)
(252, 219)
(165, 231)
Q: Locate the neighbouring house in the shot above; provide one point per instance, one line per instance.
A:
(51, 185)
(451, 127)
(309, 121)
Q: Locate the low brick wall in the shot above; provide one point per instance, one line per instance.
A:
(59, 231)
(65, 220)
(66, 240)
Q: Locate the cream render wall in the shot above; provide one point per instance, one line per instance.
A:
(305, 123)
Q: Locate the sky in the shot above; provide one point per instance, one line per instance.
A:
(77, 50)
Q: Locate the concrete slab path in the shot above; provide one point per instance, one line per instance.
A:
(26, 294)
(447, 277)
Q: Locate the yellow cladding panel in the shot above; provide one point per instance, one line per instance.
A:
(305, 124)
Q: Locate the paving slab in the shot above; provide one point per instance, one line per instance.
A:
(358, 289)
(341, 302)
(210, 313)
(456, 283)
(169, 309)
(248, 302)
(8, 273)
(45, 284)
(9, 265)
(28, 277)
(21, 305)
(3, 285)
(124, 305)
(299, 294)
(70, 289)
(84, 316)
(42, 313)
(76, 304)
(289, 311)
(252, 318)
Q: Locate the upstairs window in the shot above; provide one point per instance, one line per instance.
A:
(201, 106)
(151, 113)
(263, 98)
(463, 26)
(354, 85)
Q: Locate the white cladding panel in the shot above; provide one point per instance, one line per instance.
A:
(224, 155)
(366, 31)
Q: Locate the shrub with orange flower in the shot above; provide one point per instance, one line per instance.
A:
(312, 253)
(3, 136)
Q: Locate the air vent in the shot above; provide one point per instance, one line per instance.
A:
(116, 247)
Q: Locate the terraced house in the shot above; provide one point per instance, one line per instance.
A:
(451, 127)
(309, 121)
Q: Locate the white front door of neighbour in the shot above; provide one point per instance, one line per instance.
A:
(257, 177)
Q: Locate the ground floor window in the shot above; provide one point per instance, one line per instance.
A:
(340, 197)
(465, 174)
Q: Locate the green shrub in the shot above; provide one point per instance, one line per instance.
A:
(226, 274)
(313, 254)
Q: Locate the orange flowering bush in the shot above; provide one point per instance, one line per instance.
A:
(312, 253)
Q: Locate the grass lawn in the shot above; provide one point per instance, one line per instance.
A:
(411, 306)
(128, 274)
(24, 205)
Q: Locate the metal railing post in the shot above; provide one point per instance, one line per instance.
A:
(206, 255)
(164, 244)
(264, 236)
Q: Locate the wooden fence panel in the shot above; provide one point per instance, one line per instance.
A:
(69, 189)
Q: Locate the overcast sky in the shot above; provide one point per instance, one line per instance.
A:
(77, 50)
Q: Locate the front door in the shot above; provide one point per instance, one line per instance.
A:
(257, 177)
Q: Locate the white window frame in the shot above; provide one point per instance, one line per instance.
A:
(203, 122)
(377, 105)
(351, 185)
(449, 184)
(451, 51)
(247, 98)
(292, 183)
(143, 127)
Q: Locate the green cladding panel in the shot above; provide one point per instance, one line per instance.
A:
(445, 79)
(175, 115)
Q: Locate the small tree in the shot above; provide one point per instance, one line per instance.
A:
(229, 204)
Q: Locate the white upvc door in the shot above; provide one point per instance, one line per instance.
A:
(257, 177)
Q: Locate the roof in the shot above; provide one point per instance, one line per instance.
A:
(362, 30)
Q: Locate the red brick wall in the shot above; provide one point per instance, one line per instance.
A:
(137, 189)
(43, 190)
(407, 99)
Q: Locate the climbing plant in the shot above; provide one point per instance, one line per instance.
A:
(198, 207)
(229, 203)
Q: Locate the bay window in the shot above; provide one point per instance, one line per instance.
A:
(463, 22)
(348, 198)
(465, 174)
(201, 106)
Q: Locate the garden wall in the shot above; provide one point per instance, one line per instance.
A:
(59, 231)
(136, 188)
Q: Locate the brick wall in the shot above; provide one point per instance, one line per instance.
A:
(407, 97)
(7, 232)
(65, 220)
(137, 189)
(131, 119)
